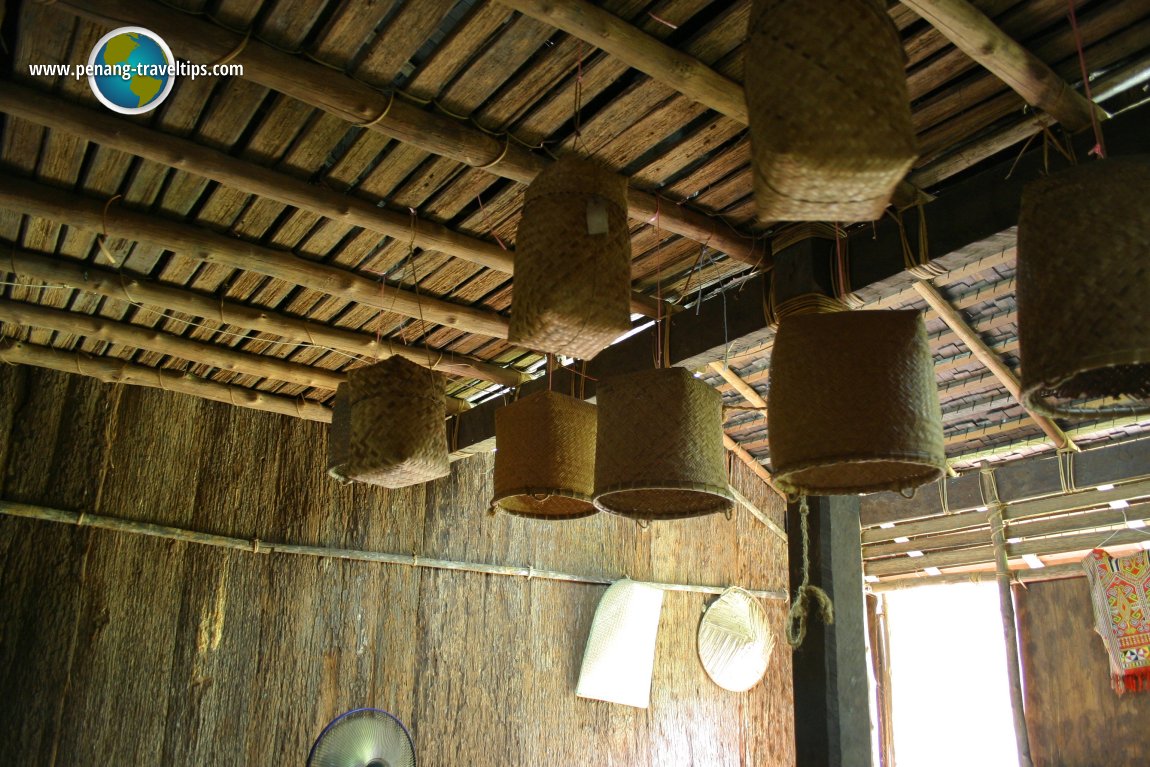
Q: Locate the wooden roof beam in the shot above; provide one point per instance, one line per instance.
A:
(359, 104)
(107, 129)
(117, 371)
(141, 290)
(30, 198)
(656, 59)
(981, 39)
(992, 361)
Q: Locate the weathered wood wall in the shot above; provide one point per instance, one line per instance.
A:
(119, 649)
(1075, 719)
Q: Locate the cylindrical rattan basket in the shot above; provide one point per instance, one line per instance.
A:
(1083, 284)
(853, 405)
(659, 452)
(572, 289)
(398, 436)
(545, 457)
(830, 125)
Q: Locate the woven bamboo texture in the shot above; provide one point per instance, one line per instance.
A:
(339, 438)
(830, 122)
(398, 437)
(545, 457)
(735, 641)
(573, 261)
(1083, 279)
(853, 406)
(659, 452)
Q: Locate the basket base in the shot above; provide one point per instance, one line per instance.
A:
(1126, 385)
(551, 506)
(844, 477)
(663, 503)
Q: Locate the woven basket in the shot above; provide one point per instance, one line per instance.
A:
(572, 290)
(339, 437)
(853, 406)
(659, 452)
(1083, 283)
(545, 457)
(830, 125)
(735, 641)
(398, 437)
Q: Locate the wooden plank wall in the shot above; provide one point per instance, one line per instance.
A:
(1074, 717)
(119, 649)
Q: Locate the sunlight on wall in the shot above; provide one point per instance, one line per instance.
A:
(951, 705)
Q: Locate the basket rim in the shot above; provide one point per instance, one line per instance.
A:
(724, 499)
(1043, 404)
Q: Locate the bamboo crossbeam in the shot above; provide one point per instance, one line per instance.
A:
(111, 370)
(107, 129)
(760, 471)
(738, 384)
(1030, 77)
(223, 357)
(358, 103)
(140, 290)
(1016, 510)
(258, 546)
(1048, 573)
(987, 357)
(24, 196)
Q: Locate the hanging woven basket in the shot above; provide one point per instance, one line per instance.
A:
(339, 437)
(1083, 282)
(853, 406)
(659, 452)
(572, 289)
(830, 125)
(545, 457)
(397, 432)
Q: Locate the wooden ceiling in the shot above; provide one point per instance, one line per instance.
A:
(356, 193)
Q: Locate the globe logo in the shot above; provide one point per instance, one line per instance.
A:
(131, 70)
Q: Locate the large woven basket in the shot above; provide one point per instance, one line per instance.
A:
(830, 124)
(1083, 286)
(572, 289)
(659, 452)
(398, 437)
(545, 457)
(853, 405)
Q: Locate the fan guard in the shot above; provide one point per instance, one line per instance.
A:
(364, 737)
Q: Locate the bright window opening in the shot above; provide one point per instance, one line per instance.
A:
(950, 695)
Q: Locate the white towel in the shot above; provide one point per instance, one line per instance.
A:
(620, 654)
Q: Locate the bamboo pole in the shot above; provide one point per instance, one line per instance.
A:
(1010, 635)
(760, 471)
(140, 290)
(738, 384)
(981, 39)
(358, 103)
(111, 370)
(222, 357)
(257, 546)
(1052, 573)
(992, 361)
(758, 513)
(24, 196)
(106, 129)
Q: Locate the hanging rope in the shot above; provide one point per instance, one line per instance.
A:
(800, 607)
(1099, 144)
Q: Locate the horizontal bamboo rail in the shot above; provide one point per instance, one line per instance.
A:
(258, 546)
(28, 197)
(1049, 573)
(358, 103)
(111, 370)
(107, 129)
(147, 292)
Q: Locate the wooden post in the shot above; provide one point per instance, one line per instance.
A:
(1010, 635)
(832, 702)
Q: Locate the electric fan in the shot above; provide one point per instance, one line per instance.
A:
(365, 737)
